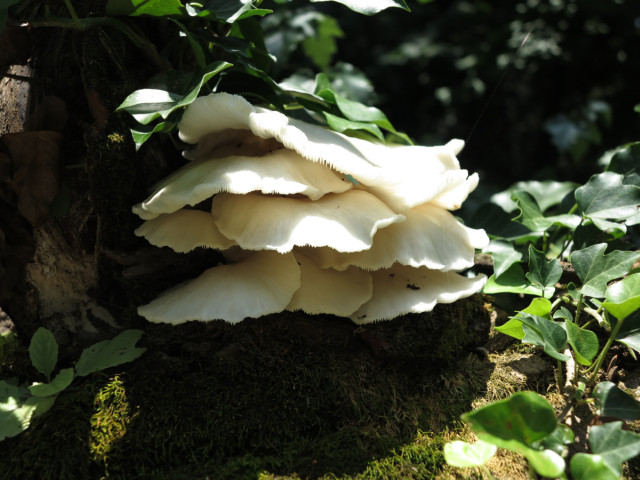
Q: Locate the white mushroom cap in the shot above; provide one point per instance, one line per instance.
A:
(184, 231)
(261, 284)
(345, 222)
(402, 289)
(330, 291)
(429, 237)
(282, 171)
(402, 176)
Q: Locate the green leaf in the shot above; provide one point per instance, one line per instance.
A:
(540, 307)
(614, 402)
(596, 269)
(629, 333)
(156, 8)
(43, 351)
(462, 454)
(59, 383)
(513, 281)
(369, 7)
(498, 224)
(321, 46)
(15, 416)
(605, 198)
(614, 444)
(342, 125)
(544, 333)
(627, 162)
(584, 342)
(228, 11)
(543, 273)
(148, 104)
(110, 353)
(623, 298)
(591, 467)
(142, 133)
(558, 440)
(518, 424)
(547, 193)
(531, 215)
(503, 254)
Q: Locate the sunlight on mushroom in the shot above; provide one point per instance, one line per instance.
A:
(309, 219)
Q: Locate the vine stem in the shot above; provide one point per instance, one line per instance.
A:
(596, 366)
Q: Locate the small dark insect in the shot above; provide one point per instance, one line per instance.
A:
(412, 287)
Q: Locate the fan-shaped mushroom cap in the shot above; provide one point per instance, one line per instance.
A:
(402, 176)
(429, 237)
(282, 171)
(402, 289)
(183, 231)
(259, 285)
(345, 222)
(329, 291)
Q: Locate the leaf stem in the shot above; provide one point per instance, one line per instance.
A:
(596, 366)
(72, 12)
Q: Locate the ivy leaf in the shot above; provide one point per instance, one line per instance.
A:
(156, 8)
(43, 351)
(614, 444)
(321, 46)
(369, 7)
(513, 280)
(517, 424)
(462, 454)
(605, 198)
(503, 254)
(623, 297)
(629, 333)
(142, 133)
(585, 466)
(340, 124)
(544, 333)
(614, 402)
(546, 193)
(228, 11)
(531, 215)
(543, 273)
(110, 353)
(59, 383)
(584, 342)
(627, 163)
(596, 269)
(148, 104)
(498, 224)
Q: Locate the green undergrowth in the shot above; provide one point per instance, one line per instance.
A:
(284, 397)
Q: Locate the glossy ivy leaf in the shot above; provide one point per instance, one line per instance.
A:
(369, 7)
(59, 383)
(558, 440)
(110, 353)
(540, 307)
(341, 125)
(627, 162)
(623, 298)
(228, 11)
(584, 342)
(532, 217)
(503, 254)
(616, 403)
(518, 424)
(614, 444)
(606, 201)
(43, 351)
(513, 280)
(148, 104)
(596, 269)
(547, 193)
(563, 313)
(585, 466)
(142, 133)
(462, 454)
(543, 273)
(544, 333)
(156, 8)
(629, 332)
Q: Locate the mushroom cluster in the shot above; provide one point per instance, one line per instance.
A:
(309, 219)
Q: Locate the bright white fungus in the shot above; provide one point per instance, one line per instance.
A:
(381, 246)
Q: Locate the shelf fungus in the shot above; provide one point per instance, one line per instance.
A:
(308, 219)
